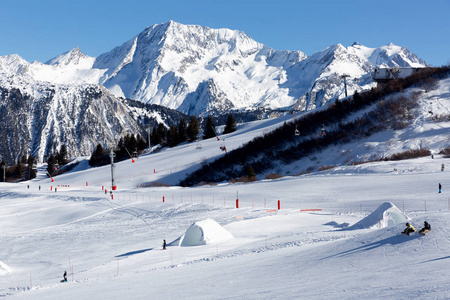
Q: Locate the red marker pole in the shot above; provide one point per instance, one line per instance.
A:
(237, 203)
(279, 204)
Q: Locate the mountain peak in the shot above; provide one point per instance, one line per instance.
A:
(73, 57)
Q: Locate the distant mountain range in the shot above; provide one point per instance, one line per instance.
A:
(76, 99)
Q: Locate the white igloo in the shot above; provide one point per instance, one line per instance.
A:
(204, 232)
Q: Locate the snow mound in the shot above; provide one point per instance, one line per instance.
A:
(4, 269)
(386, 215)
(203, 232)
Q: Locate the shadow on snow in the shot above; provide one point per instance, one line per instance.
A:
(134, 252)
(393, 240)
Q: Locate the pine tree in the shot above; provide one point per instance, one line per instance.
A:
(251, 173)
(162, 133)
(193, 129)
(141, 143)
(18, 170)
(132, 144)
(155, 138)
(31, 171)
(230, 125)
(356, 96)
(2, 164)
(96, 155)
(100, 157)
(172, 136)
(209, 131)
(51, 164)
(62, 158)
(182, 131)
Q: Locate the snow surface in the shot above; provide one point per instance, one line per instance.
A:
(312, 248)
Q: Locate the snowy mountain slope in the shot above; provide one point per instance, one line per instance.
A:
(422, 133)
(111, 247)
(174, 65)
(78, 116)
(299, 146)
(74, 58)
(73, 67)
(166, 62)
(180, 57)
(194, 69)
(356, 61)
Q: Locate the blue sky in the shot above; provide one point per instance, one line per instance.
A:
(41, 30)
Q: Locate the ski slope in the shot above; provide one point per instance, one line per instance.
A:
(307, 249)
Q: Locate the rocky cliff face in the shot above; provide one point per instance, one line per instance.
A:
(78, 116)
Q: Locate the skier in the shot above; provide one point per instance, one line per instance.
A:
(65, 277)
(426, 228)
(440, 187)
(409, 229)
(164, 245)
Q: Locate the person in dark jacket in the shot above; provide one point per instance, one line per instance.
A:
(440, 187)
(164, 244)
(426, 228)
(64, 277)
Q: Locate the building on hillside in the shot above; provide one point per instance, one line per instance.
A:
(383, 75)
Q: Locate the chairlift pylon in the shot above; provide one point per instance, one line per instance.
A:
(132, 159)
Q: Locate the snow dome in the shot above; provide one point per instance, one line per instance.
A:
(204, 232)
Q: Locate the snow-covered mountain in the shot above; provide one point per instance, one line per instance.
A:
(198, 69)
(193, 69)
(178, 65)
(39, 121)
(78, 116)
(319, 77)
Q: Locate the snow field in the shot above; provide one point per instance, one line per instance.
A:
(272, 252)
(111, 248)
